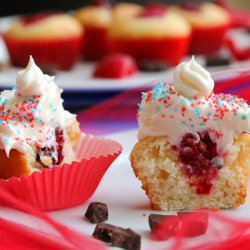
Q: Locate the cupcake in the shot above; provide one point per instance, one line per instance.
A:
(95, 19)
(209, 23)
(193, 145)
(153, 35)
(45, 160)
(45, 36)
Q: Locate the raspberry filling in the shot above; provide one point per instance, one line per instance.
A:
(100, 3)
(48, 156)
(35, 18)
(191, 6)
(200, 160)
(153, 10)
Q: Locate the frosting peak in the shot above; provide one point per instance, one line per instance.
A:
(191, 80)
(31, 81)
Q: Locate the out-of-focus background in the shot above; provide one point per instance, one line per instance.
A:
(27, 6)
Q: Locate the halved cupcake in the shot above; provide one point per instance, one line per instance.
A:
(193, 145)
(45, 160)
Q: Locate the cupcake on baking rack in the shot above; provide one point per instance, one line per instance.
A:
(44, 159)
(155, 36)
(53, 39)
(96, 19)
(193, 145)
(209, 23)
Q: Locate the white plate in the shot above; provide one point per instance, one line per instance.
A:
(128, 205)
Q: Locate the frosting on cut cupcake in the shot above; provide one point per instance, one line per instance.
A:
(30, 112)
(188, 106)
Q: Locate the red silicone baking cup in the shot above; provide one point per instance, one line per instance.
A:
(96, 43)
(58, 53)
(169, 50)
(207, 40)
(70, 184)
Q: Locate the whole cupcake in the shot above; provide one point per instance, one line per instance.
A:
(45, 160)
(96, 19)
(153, 35)
(209, 23)
(193, 145)
(53, 39)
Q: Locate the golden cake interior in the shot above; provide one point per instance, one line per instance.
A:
(156, 164)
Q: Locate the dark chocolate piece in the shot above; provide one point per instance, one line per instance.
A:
(117, 236)
(218, 60)
(152, 66)
(97, 212)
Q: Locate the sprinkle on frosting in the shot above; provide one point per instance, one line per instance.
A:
(165, 112)
(190, 79)
(30, 112)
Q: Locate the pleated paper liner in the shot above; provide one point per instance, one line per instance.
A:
(70, 184)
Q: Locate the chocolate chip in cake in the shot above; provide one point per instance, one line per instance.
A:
(218, 60)
(97, 212)
(152, 66)
(117, 236)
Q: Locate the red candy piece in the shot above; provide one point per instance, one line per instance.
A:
(166, 228)
(115, 66)
(185, 224)
(193, 223)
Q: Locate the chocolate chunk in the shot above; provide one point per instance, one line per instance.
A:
(152, 66)
(193, 223)
(218, 60)
(117, 236)
(97, 212)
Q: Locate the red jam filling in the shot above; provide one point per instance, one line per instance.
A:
(200, 161)
(153, 10)
(55, 153)
(100, 3)
(35, 18)
(191, 6)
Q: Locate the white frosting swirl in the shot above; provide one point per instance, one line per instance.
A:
(31, 81)
(190, 80)
(30, 112)
(164, 112)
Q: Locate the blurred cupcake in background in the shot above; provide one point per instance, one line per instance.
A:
(154, 36)
(53, 39)
(209, 24)
(96, 19)
(122, 10)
